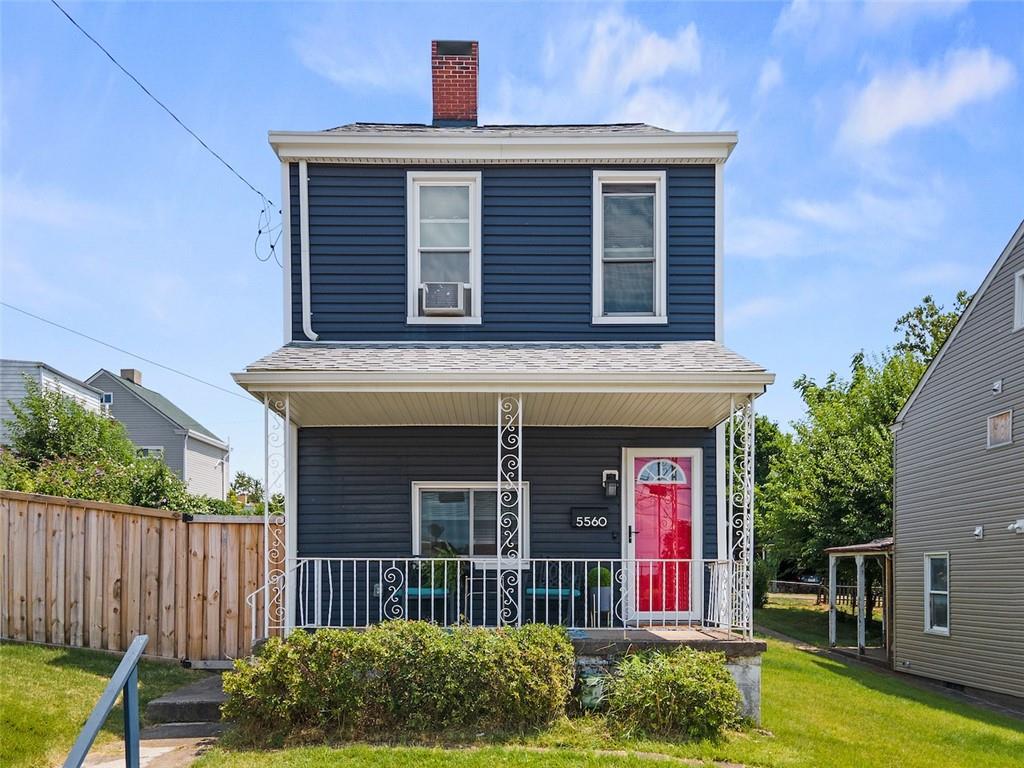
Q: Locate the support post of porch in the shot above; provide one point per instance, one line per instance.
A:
(832, 601)
(509, 510)
(277, 598)
(861, 607)
(740, 511)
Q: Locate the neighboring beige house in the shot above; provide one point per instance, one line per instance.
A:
(959, 497)
(160, 428)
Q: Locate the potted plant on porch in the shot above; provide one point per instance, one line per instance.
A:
(599, 584)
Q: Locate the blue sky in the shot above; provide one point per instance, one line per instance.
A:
(880, 159)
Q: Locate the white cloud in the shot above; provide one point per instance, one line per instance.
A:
(54, 207)
(941, 273)
(763, 238)
(662, 107)
(621, 53)
(829, 27)
(914, 98)
(352, 53)
(770, 77)
(751, 310)
(613, 68)
(884, 14)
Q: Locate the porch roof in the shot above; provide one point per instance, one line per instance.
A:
(679, 383)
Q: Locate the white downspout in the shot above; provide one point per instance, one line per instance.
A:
(307, 315)
(184, 461)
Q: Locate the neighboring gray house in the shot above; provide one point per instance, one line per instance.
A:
(13, 374)
(959, 497)
(159, 427)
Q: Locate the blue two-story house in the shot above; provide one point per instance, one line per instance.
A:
(503, 394)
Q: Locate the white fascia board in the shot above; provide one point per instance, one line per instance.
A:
(714, 147)
(1010, 246)
(449, 381)
(206, 439)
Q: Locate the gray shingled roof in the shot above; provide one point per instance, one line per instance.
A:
(636, 129)
(164, 406)
(506, 357)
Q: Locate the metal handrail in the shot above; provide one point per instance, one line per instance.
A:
(125, 678)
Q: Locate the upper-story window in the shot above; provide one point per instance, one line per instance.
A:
(629, 247)
(444, 247)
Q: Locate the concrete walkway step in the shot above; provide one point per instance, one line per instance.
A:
(197, 702)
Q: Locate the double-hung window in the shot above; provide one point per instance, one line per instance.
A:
(936, 593)
(629, 247)
(443, 213)
(460, 520)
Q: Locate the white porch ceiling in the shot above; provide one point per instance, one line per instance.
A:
(649, 384)
(578, 409)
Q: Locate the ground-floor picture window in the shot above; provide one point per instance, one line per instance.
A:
(457, 520)
(936, 593)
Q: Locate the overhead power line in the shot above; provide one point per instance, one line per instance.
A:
(126, 352)
(264, 227)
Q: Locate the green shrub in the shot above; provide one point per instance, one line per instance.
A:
(402, 676)
(763, 574)
(684, 692)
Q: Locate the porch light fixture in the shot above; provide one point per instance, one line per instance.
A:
(610, 481)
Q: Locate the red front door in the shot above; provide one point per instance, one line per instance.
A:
(663, 533)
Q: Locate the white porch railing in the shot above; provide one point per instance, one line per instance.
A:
(586, 593)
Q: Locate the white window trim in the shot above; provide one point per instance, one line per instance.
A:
(660, 316)
(928, 628)
(106, 398)
(160, 448)
(1018, 301)
(482, 563)
(988, 429)
(413, 180)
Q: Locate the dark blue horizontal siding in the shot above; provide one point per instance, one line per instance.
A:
(355, 484)
(536, 238)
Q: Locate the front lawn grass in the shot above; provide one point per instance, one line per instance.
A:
(799, 617)
(817, 713)
(46, 695)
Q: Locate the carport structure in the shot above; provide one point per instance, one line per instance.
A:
(881, 549)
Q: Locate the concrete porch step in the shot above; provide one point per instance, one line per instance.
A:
(197, 702)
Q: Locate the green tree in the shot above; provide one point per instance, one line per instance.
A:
(926, 327)
(252, 487)
(48, 425)
(830, 482)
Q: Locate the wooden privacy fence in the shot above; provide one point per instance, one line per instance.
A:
(95, 575)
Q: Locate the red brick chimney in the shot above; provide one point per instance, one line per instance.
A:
(454, 66)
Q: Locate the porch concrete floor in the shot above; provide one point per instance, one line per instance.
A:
(613, 642)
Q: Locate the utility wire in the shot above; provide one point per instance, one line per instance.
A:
(126, 352)
(264, 223)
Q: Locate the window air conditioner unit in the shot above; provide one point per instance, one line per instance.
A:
(443, 299)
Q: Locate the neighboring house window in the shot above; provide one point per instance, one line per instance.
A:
(936, 593)
(460, 520)
(107, 398)
(1018, 301)
(150, 452)
(1000, 429)
(444, 247)
(630, 273)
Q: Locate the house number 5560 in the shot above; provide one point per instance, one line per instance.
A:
(591, 521)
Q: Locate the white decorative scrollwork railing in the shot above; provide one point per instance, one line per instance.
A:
(276, 420)
(510, 505)
(579, 593)
(740, 512)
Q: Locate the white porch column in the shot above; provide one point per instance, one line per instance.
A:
(740, 528)
(277, 598)
(832, 601)
(509, 509)
(861, 606)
